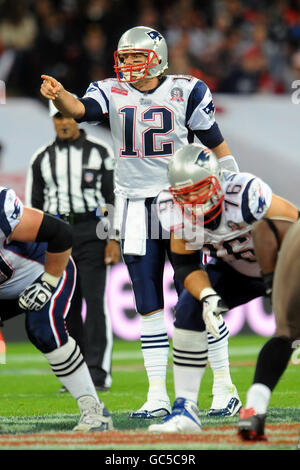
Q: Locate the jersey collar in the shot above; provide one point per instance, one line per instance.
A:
(149, 92)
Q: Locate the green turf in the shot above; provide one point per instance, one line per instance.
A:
(30, 402)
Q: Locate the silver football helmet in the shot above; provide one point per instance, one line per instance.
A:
(195, 182)
(147, 41)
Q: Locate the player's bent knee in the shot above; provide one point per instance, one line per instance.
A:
(43, 339)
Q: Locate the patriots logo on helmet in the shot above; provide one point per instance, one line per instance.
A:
(203, 156)
(155, 35)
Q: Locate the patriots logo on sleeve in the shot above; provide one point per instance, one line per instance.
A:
(261, 202)
(17, 209)
(210, 109)
(90, 89)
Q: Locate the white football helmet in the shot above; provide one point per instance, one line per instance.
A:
(195, 169)
(147, 41)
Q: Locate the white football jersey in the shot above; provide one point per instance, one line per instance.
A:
(20, 263)
(148, 127)
(247, 199)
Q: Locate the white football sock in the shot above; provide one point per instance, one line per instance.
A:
(68, 365)
(155, 349)
(218, 359)
(258, 398)
(189, 362)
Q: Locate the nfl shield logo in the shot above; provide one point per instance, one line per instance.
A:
(88, 176)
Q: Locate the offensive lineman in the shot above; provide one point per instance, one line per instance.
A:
(212, 210)
(151, 115)
(37, 277)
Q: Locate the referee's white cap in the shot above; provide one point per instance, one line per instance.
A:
(52, 109)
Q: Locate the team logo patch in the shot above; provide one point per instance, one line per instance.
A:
(119, 91)
(210, 109)
(17, 209)
(176, 94)
(88, 176)
(261, 202)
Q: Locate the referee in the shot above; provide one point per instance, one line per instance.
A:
(72, 178)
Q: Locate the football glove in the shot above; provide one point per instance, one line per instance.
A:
(35, 296)
(213, 306)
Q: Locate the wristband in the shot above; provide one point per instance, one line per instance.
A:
(50, 279)
(228, 162)
(206, 292)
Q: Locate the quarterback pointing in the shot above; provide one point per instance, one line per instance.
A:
(151, 116)
(37, 278)
(212, 210)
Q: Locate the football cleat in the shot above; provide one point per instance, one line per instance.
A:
(251, 426)
(228, 404)
(184, 418)
(94, 415)
(152, 409)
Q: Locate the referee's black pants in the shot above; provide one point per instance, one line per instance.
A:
(96, 339)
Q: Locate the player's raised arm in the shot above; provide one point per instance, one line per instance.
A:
(64, 101)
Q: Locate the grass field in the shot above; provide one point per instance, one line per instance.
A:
(33, 415)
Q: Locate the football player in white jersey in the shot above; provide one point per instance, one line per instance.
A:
(37, 279)
(209, 209)
(151, 115)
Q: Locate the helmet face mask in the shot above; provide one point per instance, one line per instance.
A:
(205, 205)
(136, 71)
(141, 40)
(195, 176)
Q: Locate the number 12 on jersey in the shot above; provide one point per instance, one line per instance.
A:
(161, 123)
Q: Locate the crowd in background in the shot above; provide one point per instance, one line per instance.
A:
(236, 46)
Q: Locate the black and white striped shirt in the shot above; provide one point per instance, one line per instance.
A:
(71, 176)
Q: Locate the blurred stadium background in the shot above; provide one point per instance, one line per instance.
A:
(247, 51)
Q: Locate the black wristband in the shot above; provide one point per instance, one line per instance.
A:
(186, 264)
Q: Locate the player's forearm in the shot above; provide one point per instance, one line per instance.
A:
(55, 263)
(68, 105)
(195, 283)
(221, 150)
